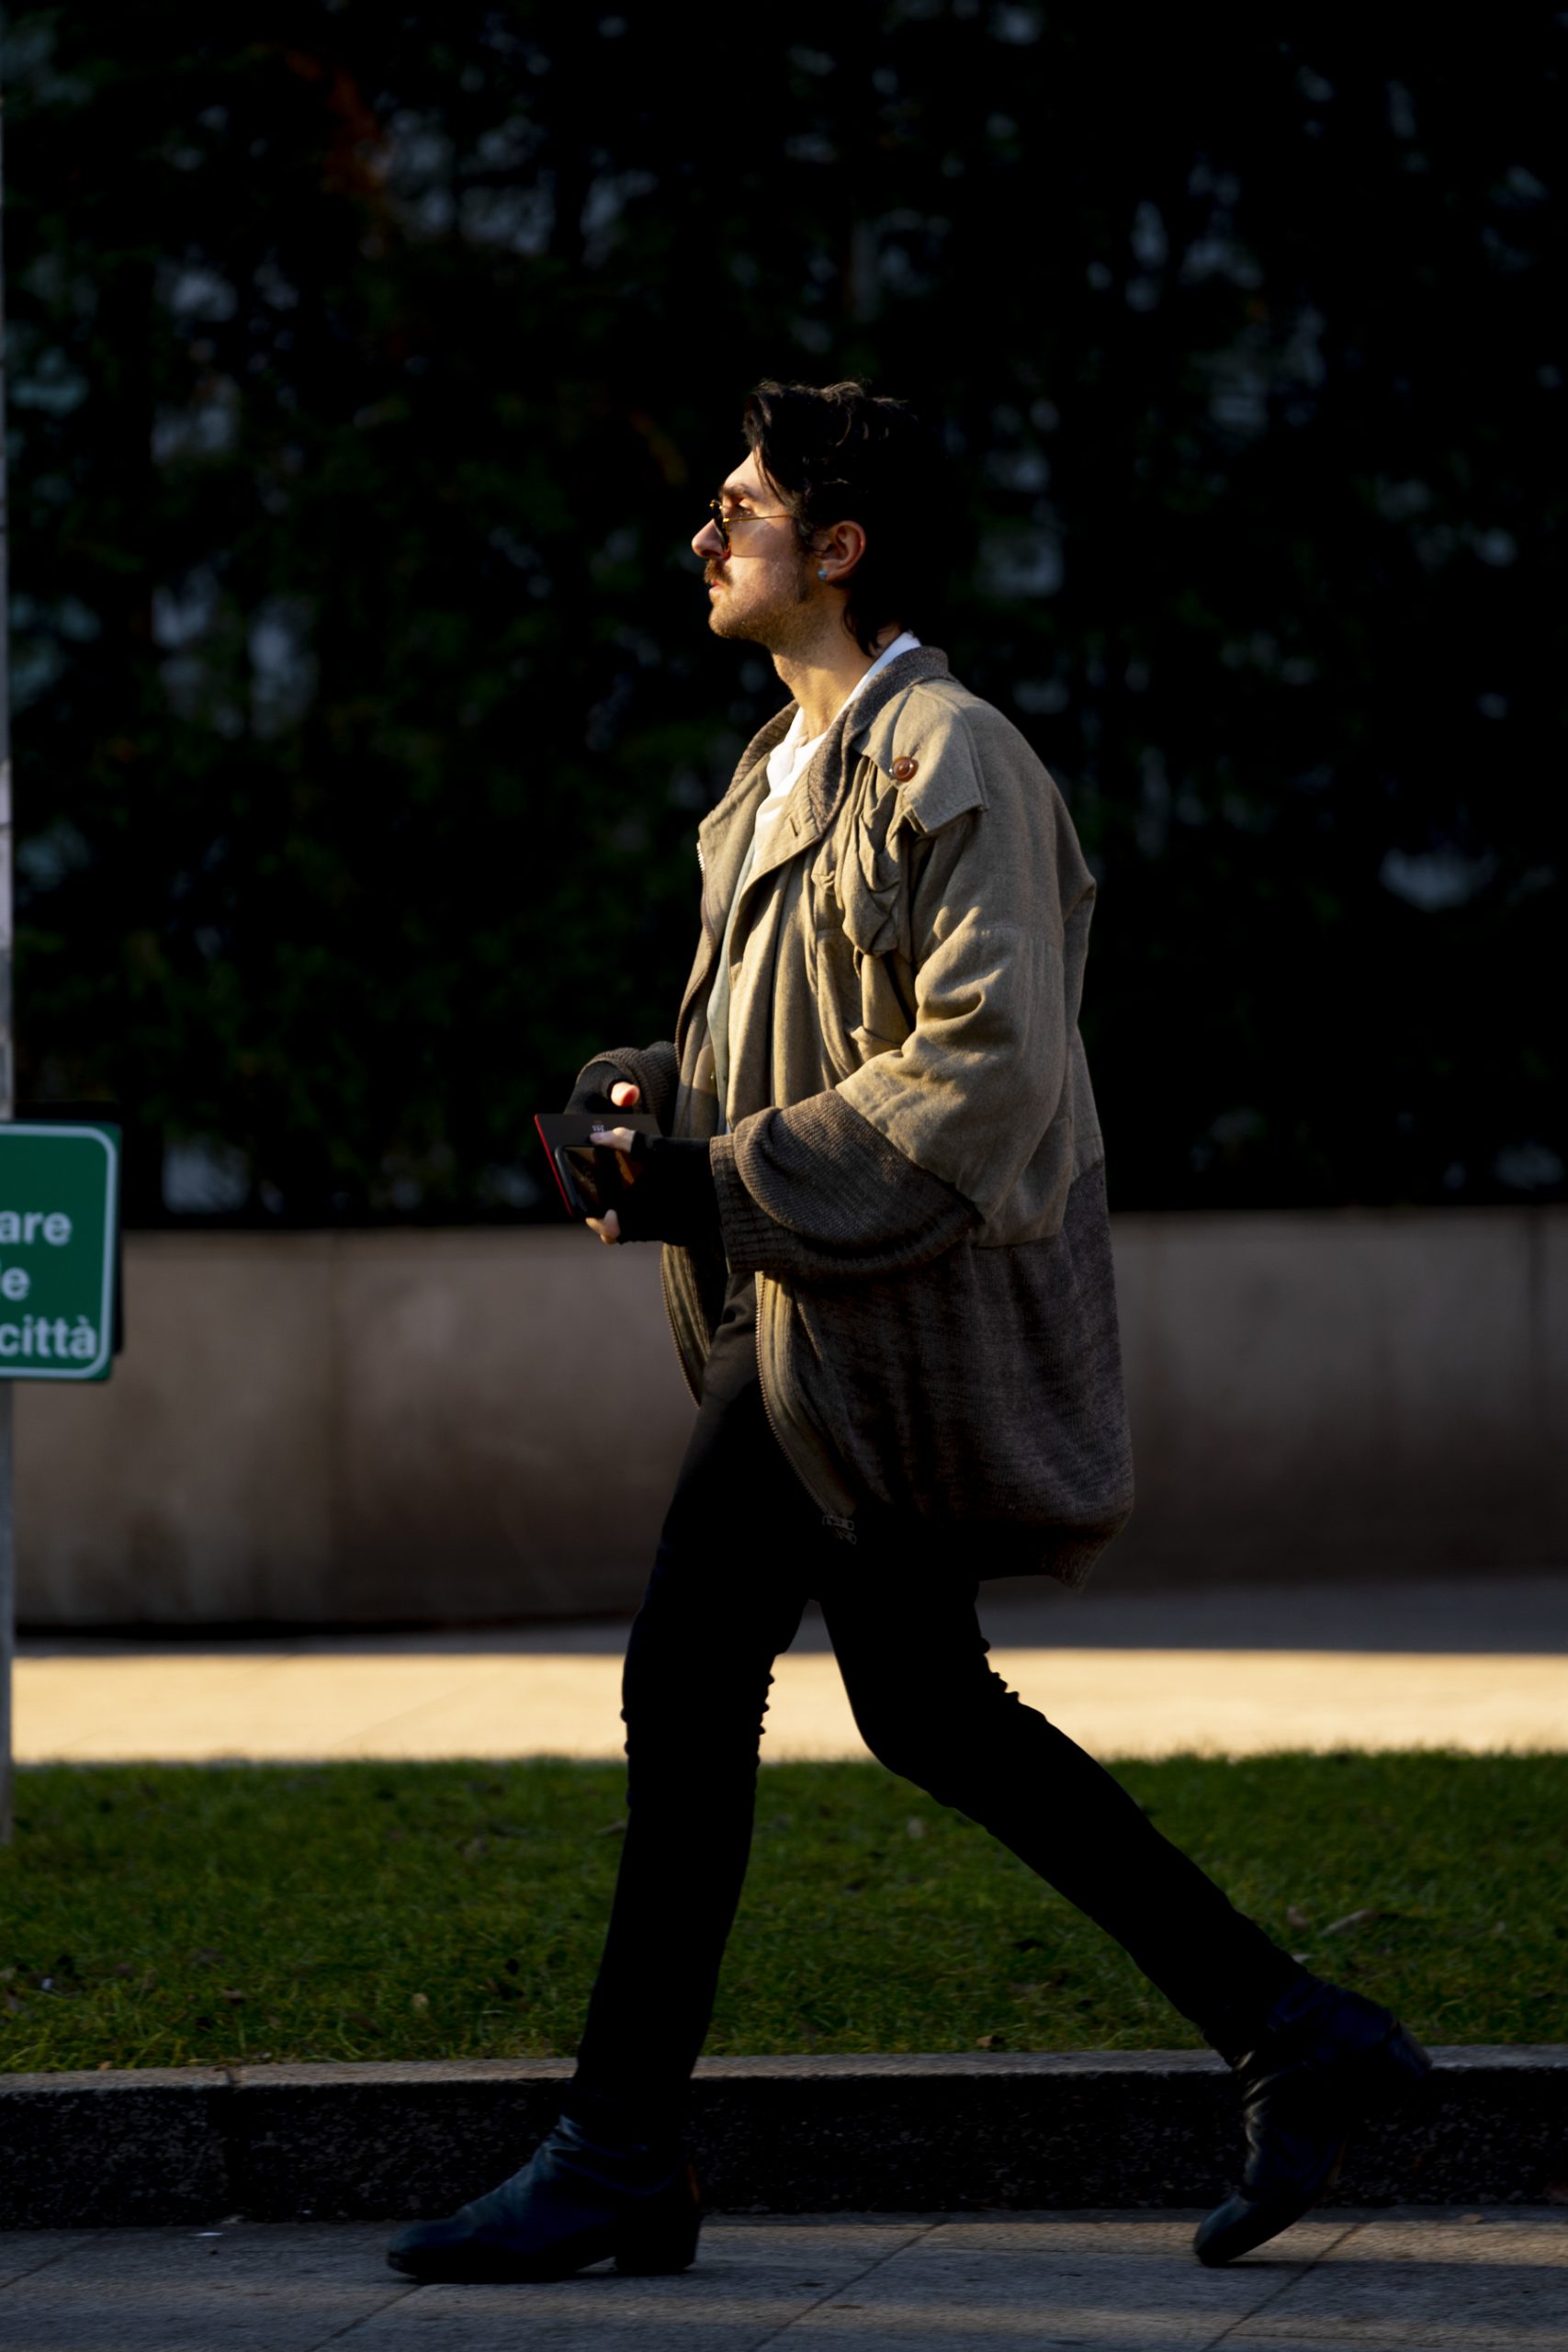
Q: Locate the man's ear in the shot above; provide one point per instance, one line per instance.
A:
(845, 545)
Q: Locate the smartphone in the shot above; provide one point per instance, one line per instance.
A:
(588, 1176)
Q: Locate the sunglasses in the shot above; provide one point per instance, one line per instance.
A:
(725, 522)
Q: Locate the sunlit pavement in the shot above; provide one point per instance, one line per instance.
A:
(1480, 1666)
(1124, 2282)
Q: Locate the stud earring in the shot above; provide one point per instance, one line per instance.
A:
(822, 572)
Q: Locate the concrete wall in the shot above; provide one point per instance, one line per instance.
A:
(400, 1427)
(1345, 1391)
(357, 1427)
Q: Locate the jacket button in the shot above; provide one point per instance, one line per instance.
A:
(902, 770)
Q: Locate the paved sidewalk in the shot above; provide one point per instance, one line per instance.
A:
(1215, 1672)
(1425, 2280)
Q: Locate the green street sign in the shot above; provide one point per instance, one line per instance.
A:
(59, 1212)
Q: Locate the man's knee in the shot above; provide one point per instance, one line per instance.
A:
(676, 1700)
(905, 1739)
(937, 1738)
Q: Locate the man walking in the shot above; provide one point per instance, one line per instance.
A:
(879, 1181)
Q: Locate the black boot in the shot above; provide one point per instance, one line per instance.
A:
(1325, 2059)
(580, 2200)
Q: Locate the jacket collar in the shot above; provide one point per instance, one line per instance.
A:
(722, 832)
(825, 779)
(810, 807)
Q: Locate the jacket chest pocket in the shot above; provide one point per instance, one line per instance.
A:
(861, 985)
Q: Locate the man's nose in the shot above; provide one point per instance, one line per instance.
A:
(708, 544)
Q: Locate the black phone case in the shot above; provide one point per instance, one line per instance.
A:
(561, 1132)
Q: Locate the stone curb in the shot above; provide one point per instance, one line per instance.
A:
(1068, 2129)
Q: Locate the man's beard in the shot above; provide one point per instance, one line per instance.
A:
(776, 626)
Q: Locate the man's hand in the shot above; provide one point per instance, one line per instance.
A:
(625, 1097)
(667, 1189)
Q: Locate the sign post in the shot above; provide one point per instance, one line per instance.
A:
(58, 1234)
(7, 1061)
(59, 1202)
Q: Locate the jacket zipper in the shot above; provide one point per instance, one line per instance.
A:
(842, 1527)
(694, 1387)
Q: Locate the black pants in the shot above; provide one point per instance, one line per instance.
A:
(743, 1548)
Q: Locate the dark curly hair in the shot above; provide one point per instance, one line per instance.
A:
(836, 453)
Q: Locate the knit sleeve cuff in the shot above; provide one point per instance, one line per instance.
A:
(816, 1191)
(652, 1069)
(751, 1237)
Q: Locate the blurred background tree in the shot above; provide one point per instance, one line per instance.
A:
(371, 367)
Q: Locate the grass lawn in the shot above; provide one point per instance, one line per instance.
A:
(185, 1915)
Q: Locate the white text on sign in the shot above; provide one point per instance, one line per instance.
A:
(24, 1226)
(43, 1335)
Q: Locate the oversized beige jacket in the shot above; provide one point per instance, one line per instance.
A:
(913, 1171)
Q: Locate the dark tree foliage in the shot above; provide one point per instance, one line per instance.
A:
(370, 365)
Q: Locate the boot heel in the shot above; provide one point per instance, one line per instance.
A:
(663, 2240)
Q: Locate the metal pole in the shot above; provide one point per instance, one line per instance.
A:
(8, 1077)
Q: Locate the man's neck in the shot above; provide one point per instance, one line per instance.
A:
(822, 677)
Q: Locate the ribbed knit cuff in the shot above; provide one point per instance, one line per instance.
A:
(652, 1070)
(592, 1092)
(751, 1237)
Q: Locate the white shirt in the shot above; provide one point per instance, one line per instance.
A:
(787, 762)
(789, 759)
